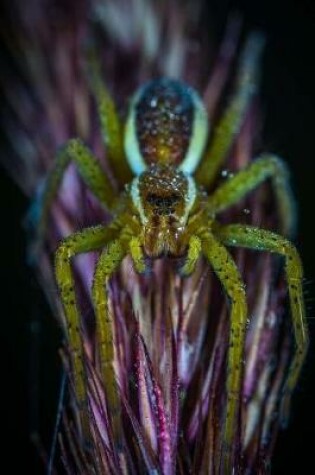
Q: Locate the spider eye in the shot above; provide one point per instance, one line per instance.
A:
(167, 124)
(162, 201)
(163, 191)
(152, 198)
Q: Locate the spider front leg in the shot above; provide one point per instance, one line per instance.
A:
(85, 241)
(108, 263)
(261, 240)
(228, 274)
(266, 166)
(233, 118)
(91, 172)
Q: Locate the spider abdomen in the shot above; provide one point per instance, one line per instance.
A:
(167, 124)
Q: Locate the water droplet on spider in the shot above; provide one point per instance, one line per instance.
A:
(227, 174)
(233, 241)
(246, 211)
(153, 102)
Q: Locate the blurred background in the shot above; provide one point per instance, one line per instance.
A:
(30, 337)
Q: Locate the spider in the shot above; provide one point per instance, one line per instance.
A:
(166, 160)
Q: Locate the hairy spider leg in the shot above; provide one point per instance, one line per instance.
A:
(87, 240)
(261, 240)
(230, 123)
(89, 169)
(266, 166)
(111, 127)
(228, 274)
(108, 263)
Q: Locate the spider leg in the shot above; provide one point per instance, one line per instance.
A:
(227, 272)
(111, 127)
(266, 166)
(258, 239)
(84, 241)
(108, 263)
(232, 120)
(91, 172)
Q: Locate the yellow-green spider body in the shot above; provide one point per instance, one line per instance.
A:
(165, 210)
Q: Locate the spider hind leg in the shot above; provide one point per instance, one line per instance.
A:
(233, 118)
(111, 127)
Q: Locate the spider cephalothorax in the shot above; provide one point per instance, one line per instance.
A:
(164, 197)
(165, 144)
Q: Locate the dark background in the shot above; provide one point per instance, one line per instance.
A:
(30, 348)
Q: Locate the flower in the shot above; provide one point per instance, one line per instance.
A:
(170, 332)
